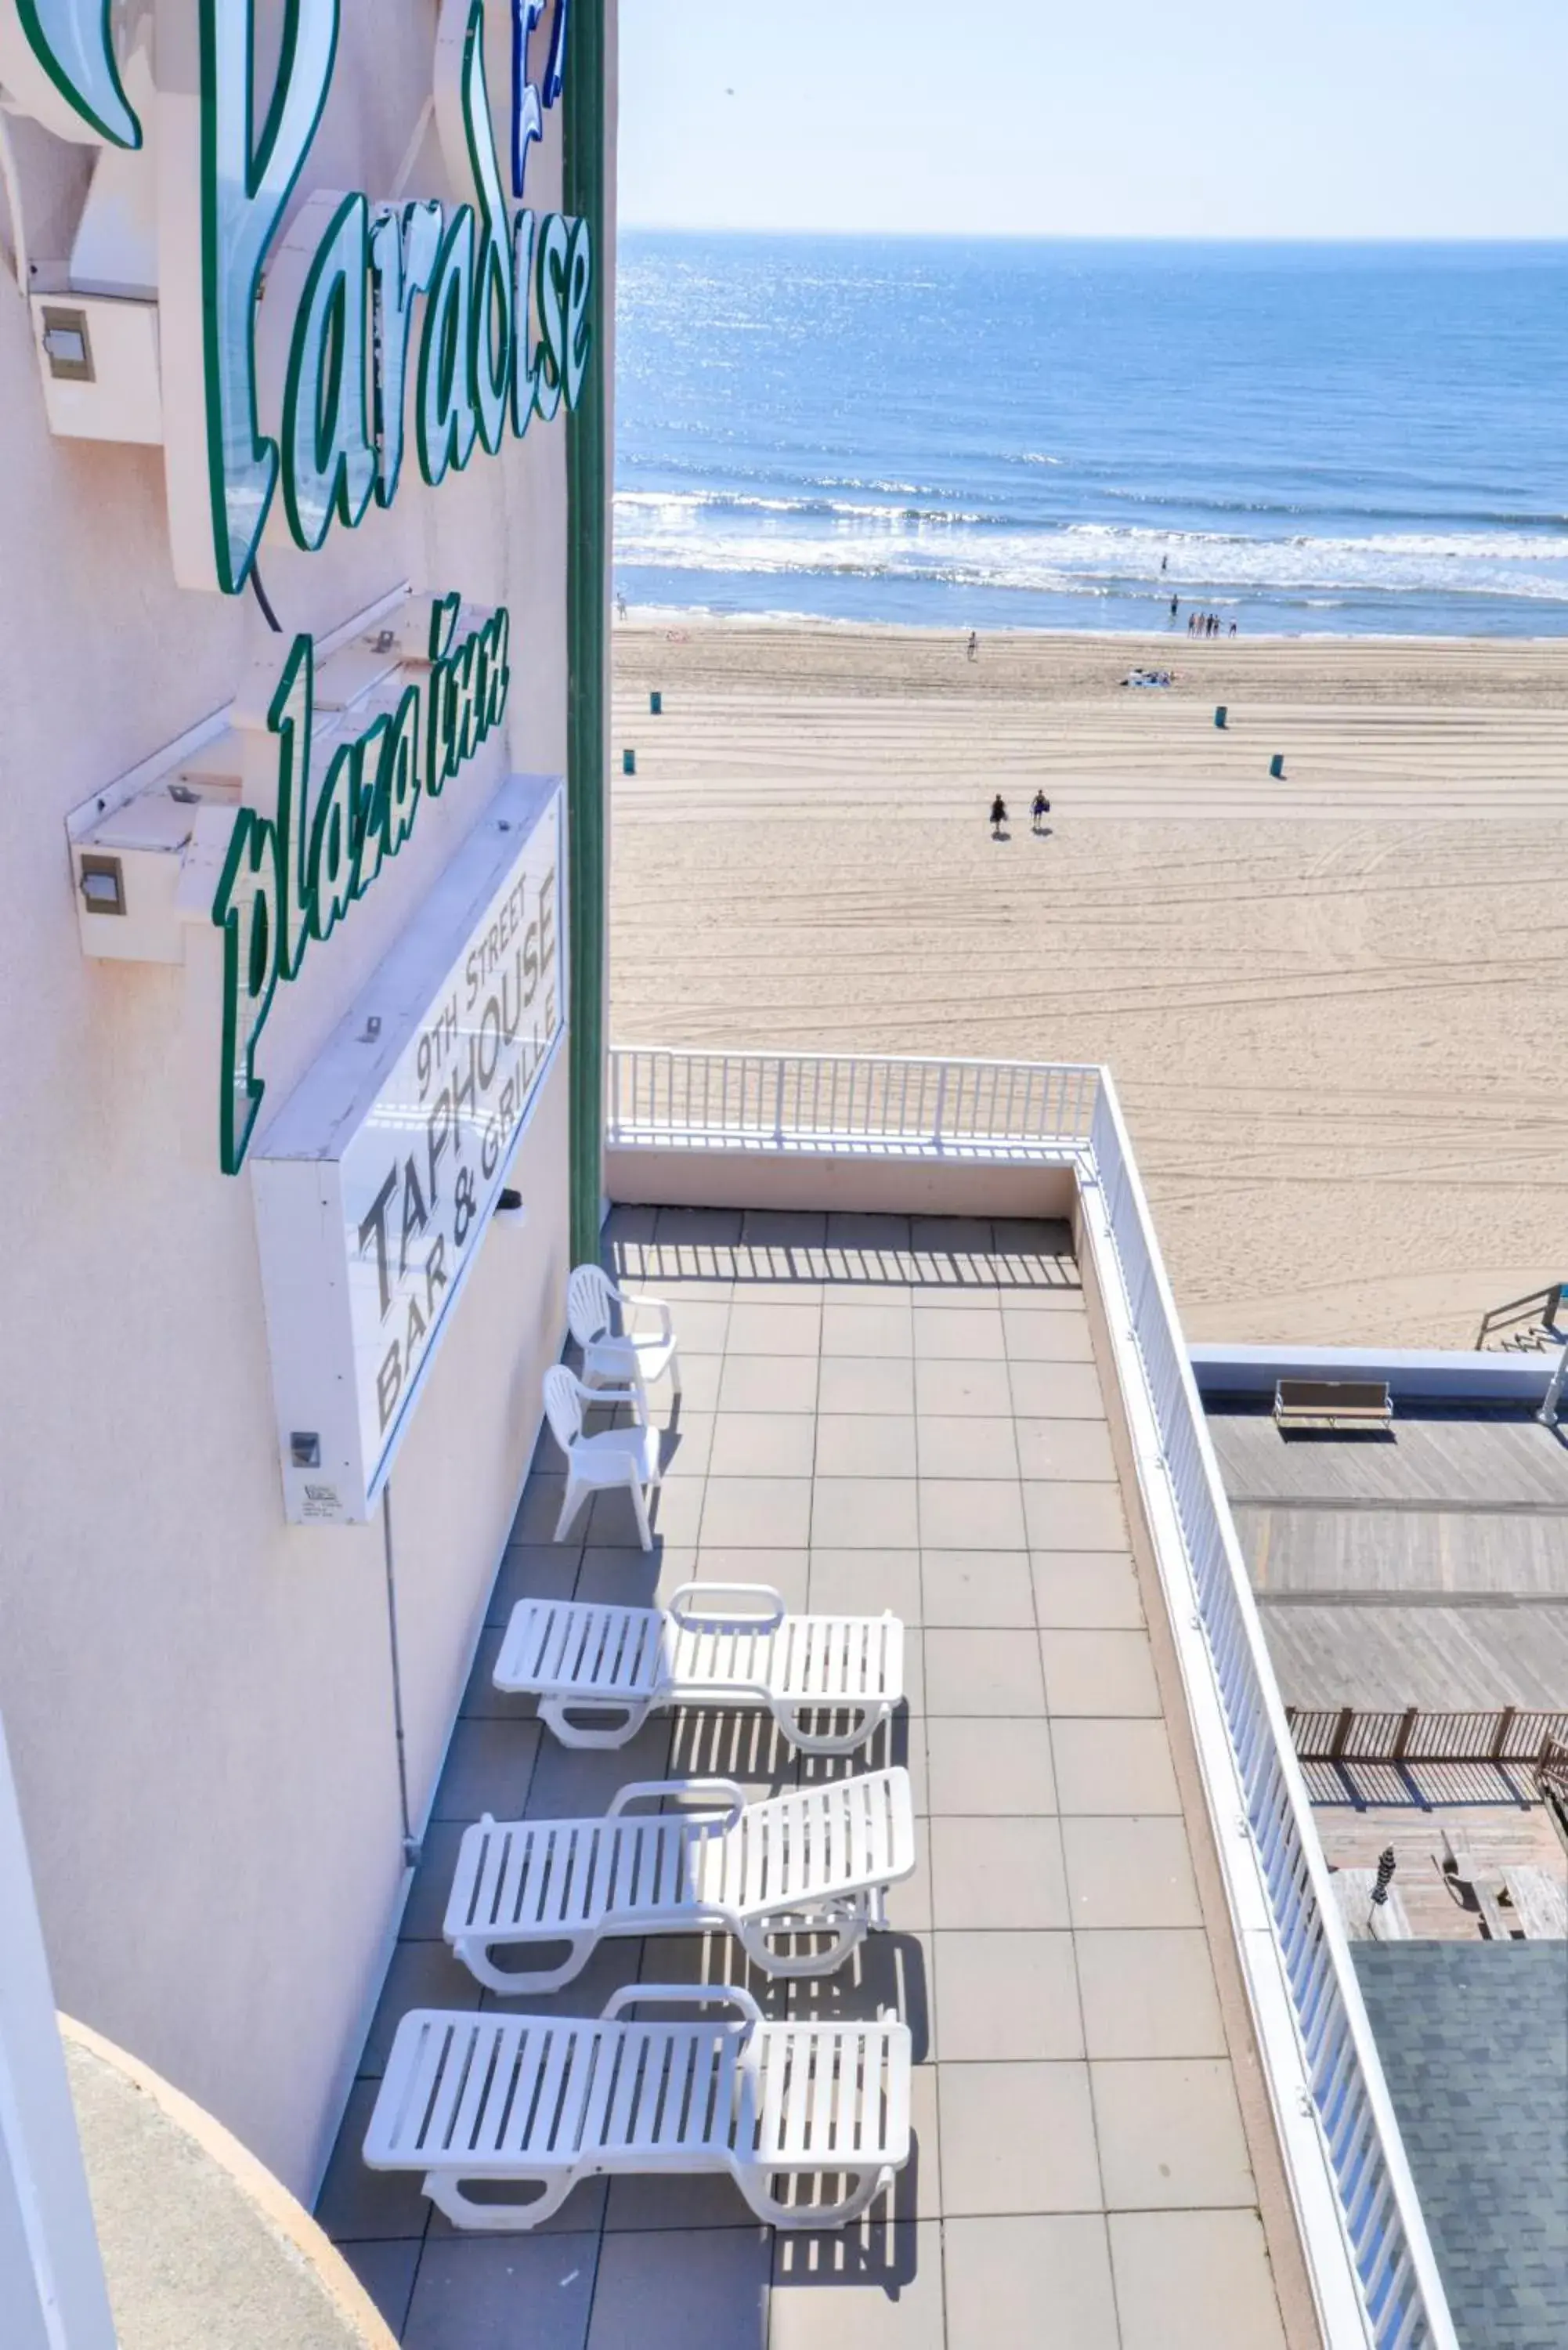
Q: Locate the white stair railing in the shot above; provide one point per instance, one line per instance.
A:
(1363, 2233)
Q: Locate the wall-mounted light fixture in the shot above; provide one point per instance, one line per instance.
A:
(67, 345)
(103, 885)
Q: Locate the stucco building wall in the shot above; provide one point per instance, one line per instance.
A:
(199, 1696)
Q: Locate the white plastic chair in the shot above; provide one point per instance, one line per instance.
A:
(620, 1358)
(814, 1862)
(534, 2101)
(611, 1459)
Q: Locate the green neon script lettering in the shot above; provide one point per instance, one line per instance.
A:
(245, 184)
(292, 877)
(329, 463)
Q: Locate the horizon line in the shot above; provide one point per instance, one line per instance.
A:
(1099, 237)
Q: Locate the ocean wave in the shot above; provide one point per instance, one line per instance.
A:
(691, 532)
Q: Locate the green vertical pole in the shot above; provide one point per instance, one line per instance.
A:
(585, 99)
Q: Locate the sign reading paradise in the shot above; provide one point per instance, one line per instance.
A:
(464, 320)
(376, 1182)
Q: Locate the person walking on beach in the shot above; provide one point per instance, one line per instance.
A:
(998, 816)
(1041, 809)
(973, 644)
(620, 603)
(1175, 602)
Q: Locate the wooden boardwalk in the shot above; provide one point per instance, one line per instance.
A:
(1428, 1567)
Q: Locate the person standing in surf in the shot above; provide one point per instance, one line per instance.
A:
(998, 816)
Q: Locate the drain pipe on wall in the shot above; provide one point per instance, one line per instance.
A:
(410, 1843)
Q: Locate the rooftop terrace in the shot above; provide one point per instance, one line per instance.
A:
(887, 1412)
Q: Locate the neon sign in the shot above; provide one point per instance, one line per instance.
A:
(291, 879)
(291, 358)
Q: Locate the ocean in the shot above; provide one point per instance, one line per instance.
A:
(1346, 438)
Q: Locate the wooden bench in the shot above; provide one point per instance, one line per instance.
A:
(1332, 1403)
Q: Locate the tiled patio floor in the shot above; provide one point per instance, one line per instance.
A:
(884, 1414)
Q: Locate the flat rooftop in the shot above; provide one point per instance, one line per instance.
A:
(883, 1413)
(1425, 1568)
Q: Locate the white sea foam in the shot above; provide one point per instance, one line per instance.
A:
(694, 530)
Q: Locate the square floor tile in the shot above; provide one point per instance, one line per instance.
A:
(1130, 1873)
(1149, 1992)
(865, 1444)
(632, 1577)
(997, 1875)
(850, 1329)
(864, 1513)
(874, 2286)
(757, 1512)
(420, 1974)
(788, 1572)
(701, 1325)
(867, 1383)
(965, 1390)
(985, 1672)
(1055, 1390)
(1077, 1449)
(426, 1906)
(1194, 2281)
(866, 1582)
(773, 1329)
(699, 1376)
(948, 1333)
(951, 1235)
(363, 2206)
(1120, 1765)
(1017, 2138)
(965, 1445)
(487, 2293)
(540, 1509)
(790, 1229)
(1037, 2283)
(533, 1571)
(976, 1768)
(745, 1744)
(1091, 1590)
(889, 1972)
(1006, 1998)
(1099, 1673)
(1171, 2135)
(763, 1444)
(977, 1588)
(489, 1768)
(685, 1444)
(910, 1903)
(768, 1383)
(970, 1513)
(699, 2288)
(577, 1782)
(1047, 1337)
(655, 2202)
(387, 2272)
(1075, 1517)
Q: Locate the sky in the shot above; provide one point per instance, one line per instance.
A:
(1116, 118)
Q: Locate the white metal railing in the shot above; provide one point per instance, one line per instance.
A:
(1368, 2253)
(847, 1105)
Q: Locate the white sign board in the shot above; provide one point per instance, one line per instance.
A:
(376, 1182)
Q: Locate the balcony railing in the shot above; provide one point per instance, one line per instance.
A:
(1507, 1733)
(844, 1106)
(1367, 2249)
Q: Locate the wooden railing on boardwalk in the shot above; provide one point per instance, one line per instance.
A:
(1509, 1733)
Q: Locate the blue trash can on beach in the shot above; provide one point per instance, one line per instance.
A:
(1221, 715)
(1277, 766)
(628, 762)
(656, 706)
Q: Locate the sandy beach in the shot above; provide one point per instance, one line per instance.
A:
(1335, 1004)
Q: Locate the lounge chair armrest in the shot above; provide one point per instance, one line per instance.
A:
(776, 1614)
(683, 1995)
(723, 1797)
(607, 1395)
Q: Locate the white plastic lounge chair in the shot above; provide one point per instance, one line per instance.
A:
(544, 2101)
(616, 1665)
(816, 1861)
(609, 1460)
(620, 1360)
